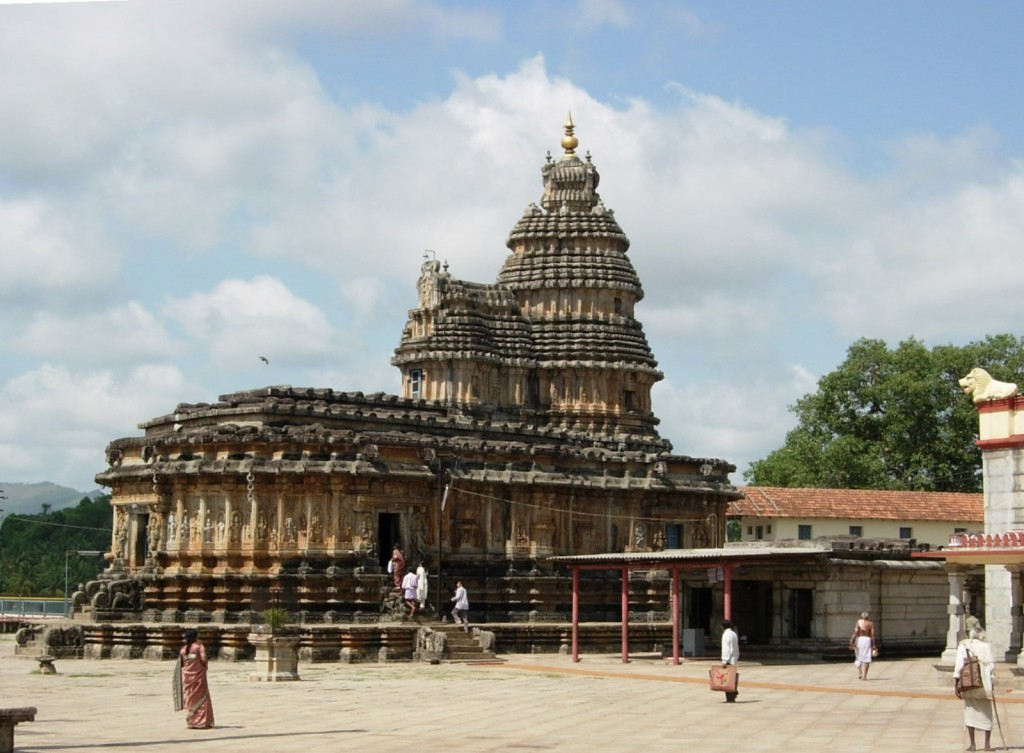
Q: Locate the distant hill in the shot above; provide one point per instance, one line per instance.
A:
(28, 499)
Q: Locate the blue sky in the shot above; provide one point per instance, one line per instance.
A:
(187, 186)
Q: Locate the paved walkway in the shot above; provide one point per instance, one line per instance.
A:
(537, 702)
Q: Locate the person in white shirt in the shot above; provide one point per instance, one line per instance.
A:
(409, 585)
(730, 654)
(461, 610)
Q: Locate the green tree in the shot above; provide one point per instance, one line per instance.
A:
(891, 419)
(33, 547)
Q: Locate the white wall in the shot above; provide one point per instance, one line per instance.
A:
(934, 533)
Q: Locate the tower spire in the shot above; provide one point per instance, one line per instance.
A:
(569, 141)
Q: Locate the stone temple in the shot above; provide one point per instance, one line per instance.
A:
(524, 429)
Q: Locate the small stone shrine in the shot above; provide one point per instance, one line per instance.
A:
(524, 429)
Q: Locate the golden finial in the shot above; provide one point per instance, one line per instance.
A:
(569, 142)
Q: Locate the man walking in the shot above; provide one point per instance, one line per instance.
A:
(461, 610)
(730, 654)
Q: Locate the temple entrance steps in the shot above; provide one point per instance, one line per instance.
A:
(468, 648)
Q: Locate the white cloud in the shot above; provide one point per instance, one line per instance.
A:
(122, 335)
(60, 421)
(242, 319)
(739, 421)
(937, 268)
(593, 13)
(45, 254)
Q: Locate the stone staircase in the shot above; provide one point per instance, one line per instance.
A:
(465, 648)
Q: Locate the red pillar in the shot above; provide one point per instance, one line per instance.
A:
(675, 615)
(727, 607)
(575, 614)
(625, 615)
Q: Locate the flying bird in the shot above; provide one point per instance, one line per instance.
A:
(264, 359)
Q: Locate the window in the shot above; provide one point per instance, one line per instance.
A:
(959, 530)
(750, 530)
(629, 399)
(906, 532)
(759, 534)
(856, 531)
(674, 536)
(769, 529)
(416, 383)
(618, 305)
(803, 531)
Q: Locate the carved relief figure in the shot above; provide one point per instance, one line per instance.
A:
(345, 525)
(121, 536)
(368, 541)
(171, 530)
(153, 534)
(639, 537)
(315, 529)
(418, 535)
(981, 387)
(185, 532)
(208, 531)
(261, 527)
(289, 530)
(236, 528)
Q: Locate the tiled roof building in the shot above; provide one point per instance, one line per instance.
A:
(773, 513)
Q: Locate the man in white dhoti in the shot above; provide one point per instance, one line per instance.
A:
(978, 710)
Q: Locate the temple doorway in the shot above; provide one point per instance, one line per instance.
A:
(801, 612)
(698, 616)
(389, 533)
(752, 610)
(141, 542)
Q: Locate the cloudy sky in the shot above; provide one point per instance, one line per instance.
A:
(186, 186)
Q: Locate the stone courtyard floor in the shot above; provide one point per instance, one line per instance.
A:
(531, 702)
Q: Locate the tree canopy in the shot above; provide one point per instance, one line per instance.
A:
(891, 419)
(33, 548)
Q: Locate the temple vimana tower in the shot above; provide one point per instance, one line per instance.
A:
(524, 429)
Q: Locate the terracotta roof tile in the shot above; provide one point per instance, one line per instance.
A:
(781, 502)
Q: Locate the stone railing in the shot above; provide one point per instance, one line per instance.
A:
(1008, 540)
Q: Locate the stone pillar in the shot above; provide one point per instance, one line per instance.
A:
(955, 610)
(180, 516)
(201, 521)
(1013, 653)
(280, 521)
(254, 519)
(1004, 511)
(1001, 439)
(229, 508)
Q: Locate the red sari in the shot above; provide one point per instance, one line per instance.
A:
(195, 689)
(397, 567)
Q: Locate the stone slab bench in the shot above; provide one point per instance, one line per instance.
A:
(8, 719)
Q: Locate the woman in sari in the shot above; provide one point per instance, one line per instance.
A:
(195, 691)
(397, 567)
